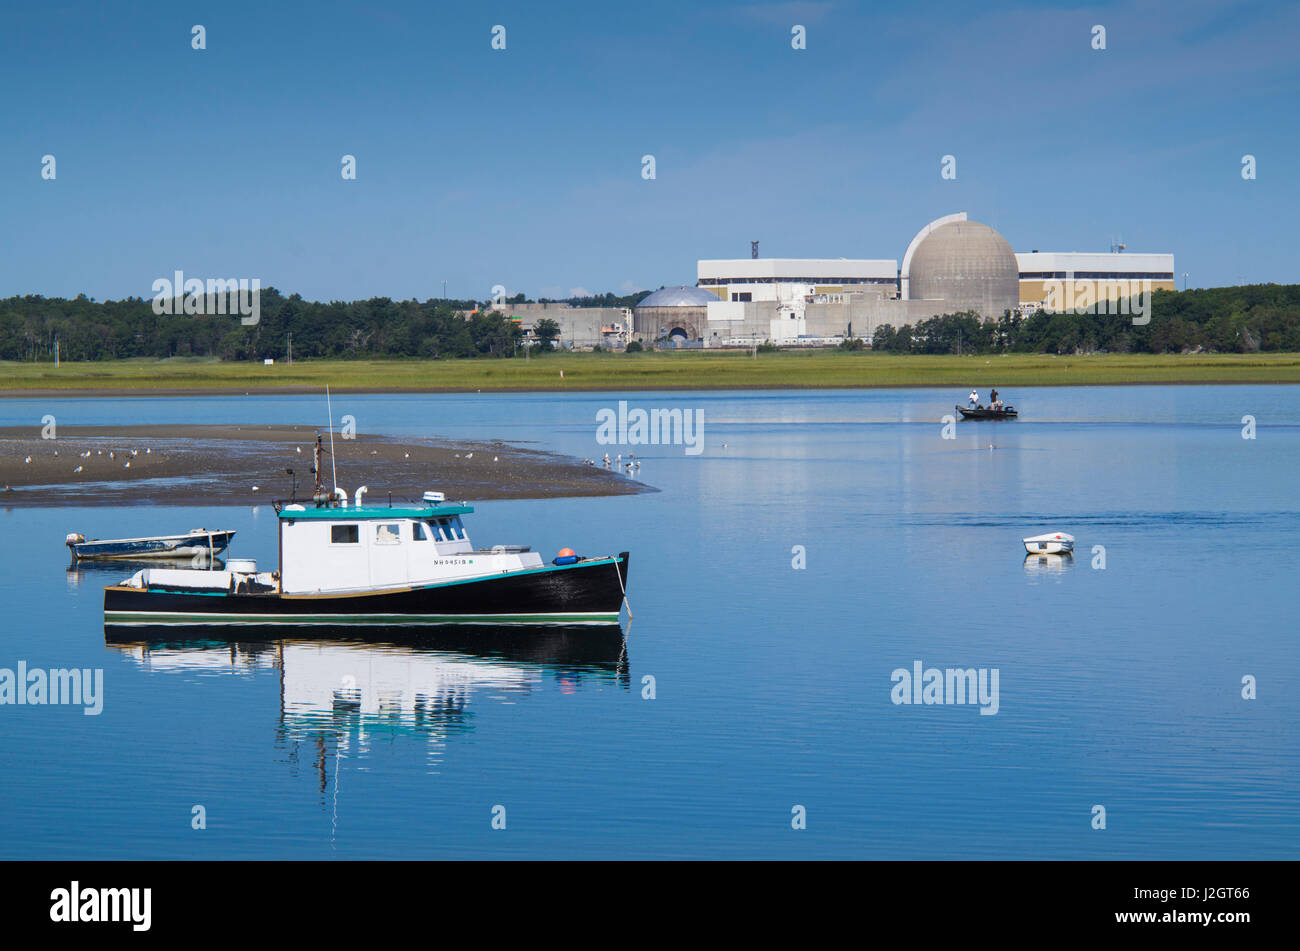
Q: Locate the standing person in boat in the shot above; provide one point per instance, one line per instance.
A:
(994, 402)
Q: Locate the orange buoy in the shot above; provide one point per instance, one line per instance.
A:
(564, 553)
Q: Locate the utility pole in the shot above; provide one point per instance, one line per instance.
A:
(444, 290)
(291, 348)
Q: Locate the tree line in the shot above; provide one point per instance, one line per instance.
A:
(1222, 319)
(1218, 320)
(378, 327)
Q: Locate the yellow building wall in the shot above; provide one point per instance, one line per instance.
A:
(1035, 292)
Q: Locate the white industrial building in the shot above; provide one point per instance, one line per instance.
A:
(951, 265)
(784, 288)
(753, 275)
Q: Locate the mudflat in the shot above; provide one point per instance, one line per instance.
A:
(239, 465)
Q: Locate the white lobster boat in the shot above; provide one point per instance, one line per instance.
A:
(378, 565)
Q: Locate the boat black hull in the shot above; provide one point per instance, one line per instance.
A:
(986, 413)
(589, 592)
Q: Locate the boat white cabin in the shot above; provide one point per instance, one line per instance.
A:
(371, 547)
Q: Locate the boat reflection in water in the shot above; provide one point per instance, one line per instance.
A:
(379, 682)
(1042, 563)
(98, 572)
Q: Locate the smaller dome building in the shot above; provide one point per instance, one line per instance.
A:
(678, 313)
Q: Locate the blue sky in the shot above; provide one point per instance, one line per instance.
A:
(523, 167)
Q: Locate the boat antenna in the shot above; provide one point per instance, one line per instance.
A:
(334, 475)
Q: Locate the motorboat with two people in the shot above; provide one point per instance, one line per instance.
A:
(367, 564)
(996, 409)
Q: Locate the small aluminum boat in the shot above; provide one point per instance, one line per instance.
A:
(987, 412)
(1052, 543)
(194, 542)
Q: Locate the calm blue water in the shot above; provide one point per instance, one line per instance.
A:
(1119, 687)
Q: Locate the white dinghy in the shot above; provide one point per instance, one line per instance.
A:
(1052, 543)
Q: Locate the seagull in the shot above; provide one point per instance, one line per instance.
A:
(128, 464)
(496, 458)
(469, 455)
(110, 454)
(28, 459)
(299, 448)
(134, 453)
(76, 470)
(147, 451)
(56, 452)
(99, 452)
(406, 455)
(86, 454)
(256, 487)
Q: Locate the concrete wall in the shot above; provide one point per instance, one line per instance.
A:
(826, 318)
(581, 328)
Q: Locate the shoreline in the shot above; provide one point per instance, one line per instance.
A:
(187, 464)
(602, 372)
(312, 390)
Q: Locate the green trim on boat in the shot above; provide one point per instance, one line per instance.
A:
(373, 512)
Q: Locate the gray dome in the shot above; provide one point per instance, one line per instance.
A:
(968, 266)
(679, 296)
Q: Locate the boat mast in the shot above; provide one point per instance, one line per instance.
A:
(333, 472)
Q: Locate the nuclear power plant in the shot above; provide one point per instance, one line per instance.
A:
(951, 265)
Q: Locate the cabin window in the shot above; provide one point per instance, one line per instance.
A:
(433, 532)
(344, 534)
(457, 528)
(418, 532)
(388, 533)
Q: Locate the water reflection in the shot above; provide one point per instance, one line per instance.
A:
(1042, 563)
(391, 680)
(114, 570)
